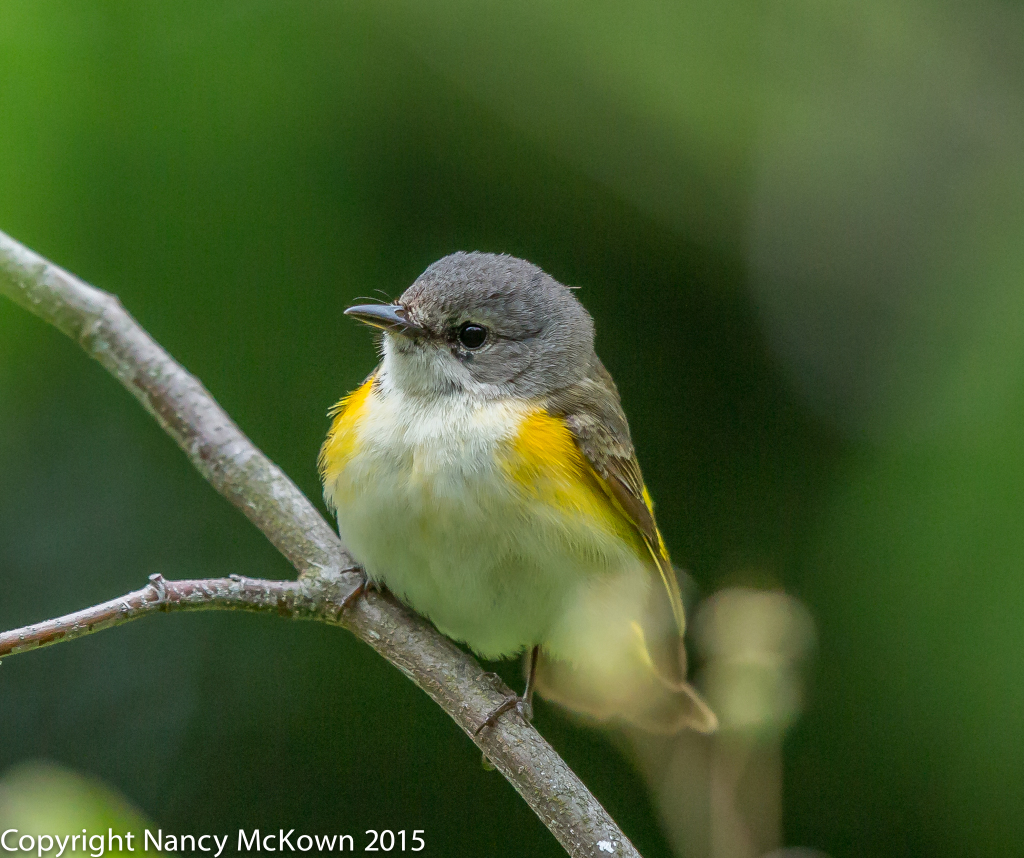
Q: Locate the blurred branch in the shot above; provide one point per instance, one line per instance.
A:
(328, 576)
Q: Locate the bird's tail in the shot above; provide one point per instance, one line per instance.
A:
(636, 693)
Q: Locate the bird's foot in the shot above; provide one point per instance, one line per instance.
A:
(361, 589)
(513, 701)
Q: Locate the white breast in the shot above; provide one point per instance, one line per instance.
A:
(424, 505)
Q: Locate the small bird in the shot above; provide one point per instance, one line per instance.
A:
(484, 474)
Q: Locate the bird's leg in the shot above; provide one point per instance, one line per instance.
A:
(523, 705)
(531, 675)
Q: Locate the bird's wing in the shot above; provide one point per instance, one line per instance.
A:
(592, 412)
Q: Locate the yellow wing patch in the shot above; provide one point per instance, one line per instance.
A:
(547, 458)
(341, 440)
(546, 462)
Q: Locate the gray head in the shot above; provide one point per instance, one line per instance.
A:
(485, 324)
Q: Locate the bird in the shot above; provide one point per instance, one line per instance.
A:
(484, 474)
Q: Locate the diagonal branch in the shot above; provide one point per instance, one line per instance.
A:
(328, 576)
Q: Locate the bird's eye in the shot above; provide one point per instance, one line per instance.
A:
(472, 336)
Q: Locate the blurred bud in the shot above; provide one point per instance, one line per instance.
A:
(40, 798)
(753, 643)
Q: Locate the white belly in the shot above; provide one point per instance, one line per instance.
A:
(425, 507)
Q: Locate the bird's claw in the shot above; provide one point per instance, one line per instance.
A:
(361, 589)
(513, 701)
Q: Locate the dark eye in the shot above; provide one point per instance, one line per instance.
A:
(472, 336)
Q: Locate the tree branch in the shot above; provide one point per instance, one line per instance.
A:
(328, 576)
(285, 597)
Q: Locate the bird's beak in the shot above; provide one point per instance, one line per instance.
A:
(387, 317)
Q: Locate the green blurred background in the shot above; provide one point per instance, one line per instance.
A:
(800, 228)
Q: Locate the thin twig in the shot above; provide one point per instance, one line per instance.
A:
(250, 594)
(243, 474)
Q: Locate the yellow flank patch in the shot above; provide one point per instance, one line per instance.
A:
(545, 461)
(341, 440)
